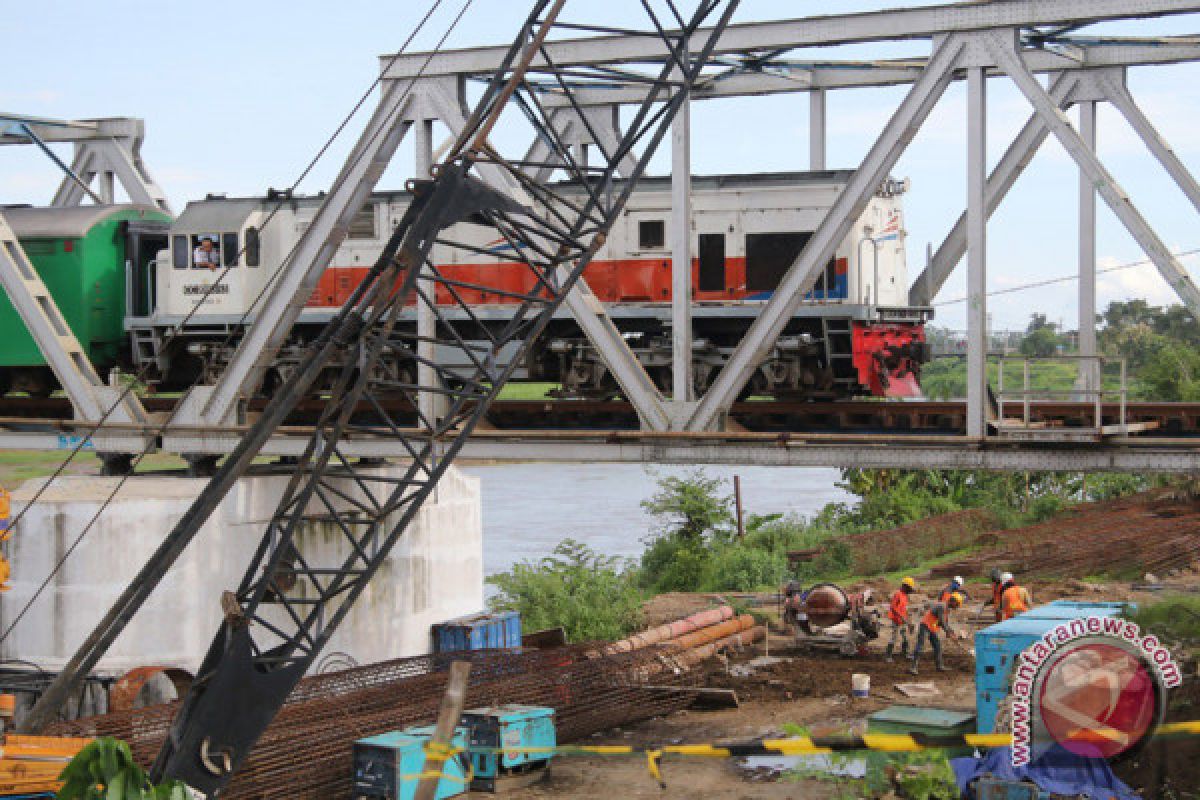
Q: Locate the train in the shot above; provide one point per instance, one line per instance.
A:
(855, 334)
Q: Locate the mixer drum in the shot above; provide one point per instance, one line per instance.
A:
(826, 605)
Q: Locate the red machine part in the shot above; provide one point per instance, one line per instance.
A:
(888, 356)
(124, 694)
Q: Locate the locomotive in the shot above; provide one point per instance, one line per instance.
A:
(854, 335)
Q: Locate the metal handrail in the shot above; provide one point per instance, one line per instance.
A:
(1096, 393)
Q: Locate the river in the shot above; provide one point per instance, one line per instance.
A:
(529, 508)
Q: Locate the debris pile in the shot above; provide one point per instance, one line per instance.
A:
(1132, 536)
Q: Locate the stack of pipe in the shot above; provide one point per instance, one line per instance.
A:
(690, 640)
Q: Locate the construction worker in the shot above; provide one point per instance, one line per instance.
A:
(997, 591)
(898, 614)
(955, 585)
(936, 620)
(1013, 599)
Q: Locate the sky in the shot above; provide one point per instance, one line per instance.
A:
(239, 96)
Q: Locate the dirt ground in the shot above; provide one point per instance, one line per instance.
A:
(813, 690)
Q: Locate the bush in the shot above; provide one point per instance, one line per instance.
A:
(590, 596)
(745, 568)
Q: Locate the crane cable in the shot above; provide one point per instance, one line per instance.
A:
(178, 330)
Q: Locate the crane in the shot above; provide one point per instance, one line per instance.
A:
(255, 660)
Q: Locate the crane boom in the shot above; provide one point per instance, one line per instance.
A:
(289, 603)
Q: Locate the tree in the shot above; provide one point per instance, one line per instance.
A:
(691, 506)
(1038, 321)
(105, 770)
(1040, 343)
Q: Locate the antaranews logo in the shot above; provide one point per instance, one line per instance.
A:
(1094, 685)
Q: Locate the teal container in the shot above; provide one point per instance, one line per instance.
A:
(998, 646)
(387, 765)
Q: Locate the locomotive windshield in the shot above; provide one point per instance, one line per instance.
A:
(205, 251)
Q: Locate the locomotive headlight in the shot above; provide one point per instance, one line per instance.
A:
(197, 348)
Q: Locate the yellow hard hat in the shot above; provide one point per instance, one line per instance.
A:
(956, 599)
(909, 582)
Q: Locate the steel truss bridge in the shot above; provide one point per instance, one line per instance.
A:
(579, 86)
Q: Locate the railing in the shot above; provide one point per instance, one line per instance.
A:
(1090, 389)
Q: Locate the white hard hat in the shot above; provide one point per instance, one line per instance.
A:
(958, 581)
(1006, 577)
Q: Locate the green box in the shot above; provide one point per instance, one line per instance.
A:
(924, 720)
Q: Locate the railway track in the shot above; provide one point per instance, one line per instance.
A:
(1169, 420)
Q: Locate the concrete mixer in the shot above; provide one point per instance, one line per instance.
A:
(826, 617)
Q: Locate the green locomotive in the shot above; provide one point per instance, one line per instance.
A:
(97, 261)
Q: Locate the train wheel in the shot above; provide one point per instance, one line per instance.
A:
(5, 382)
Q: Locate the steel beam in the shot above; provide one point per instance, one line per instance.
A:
(846, 209)
(431, 404)
(580, 301)
(1117, 93)
(1010, 167)
(1089, 377)
(977, 328)
(820, 31)
(801, 76)
(92, 400)
(1172, 271)
(816, 130)
(681, 260)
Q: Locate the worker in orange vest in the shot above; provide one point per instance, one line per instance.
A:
(955, 585)
(898, 614)
(1013, 599)
(997, 594)
(936, 620)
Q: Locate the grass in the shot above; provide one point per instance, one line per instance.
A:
(946, 378)
(18, 466)
(1174, 618)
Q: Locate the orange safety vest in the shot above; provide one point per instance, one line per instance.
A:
(997, 598)
(930, 621)
(898, 609)
(1012, 602)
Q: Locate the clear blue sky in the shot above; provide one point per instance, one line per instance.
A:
(238, 96)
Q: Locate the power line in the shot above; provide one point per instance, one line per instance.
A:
(179, 328)
(1067, 278)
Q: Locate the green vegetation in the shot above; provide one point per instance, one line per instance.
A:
(18, 466)
(1174, 618)
(923, 775)
(105, 770)
(1161, 347)
(694, 546)
(592, 597)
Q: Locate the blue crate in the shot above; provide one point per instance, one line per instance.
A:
(511, 725)
(500, 630)
(998, 646)
(385, 766)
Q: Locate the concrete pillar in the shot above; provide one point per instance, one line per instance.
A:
(976, 252)
(681, 255)
(430, 404)
(1088, 372)
(816, 129)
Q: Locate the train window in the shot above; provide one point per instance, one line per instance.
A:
(769, 255)
(180, 252)
(363, 224)
(652, 234)
(712, 262)
(206, 251)
(229, 244)
(253, 247)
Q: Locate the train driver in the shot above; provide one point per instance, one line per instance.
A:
(206, 253)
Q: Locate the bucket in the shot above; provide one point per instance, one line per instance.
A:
(860, 684)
